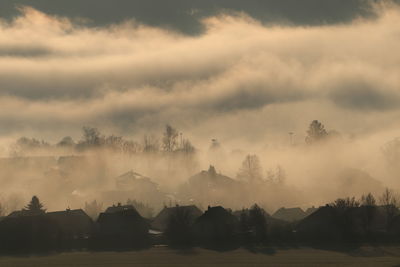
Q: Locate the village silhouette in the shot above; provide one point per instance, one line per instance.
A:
(122, 227)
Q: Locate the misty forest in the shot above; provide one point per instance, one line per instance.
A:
(217, 125)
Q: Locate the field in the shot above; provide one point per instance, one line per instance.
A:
(365, 256)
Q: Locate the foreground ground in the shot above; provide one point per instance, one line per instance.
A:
(162, 256)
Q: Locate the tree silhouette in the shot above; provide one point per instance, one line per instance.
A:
(368, 200)
(66, 142)
(91, 136)
(389, 201)
(170, 142)
(343, 204)
(34, 206)
(316, 132)
(251, 169)
(150, 144)
(369, 204)
(258, 223)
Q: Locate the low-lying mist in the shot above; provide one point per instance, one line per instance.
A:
(168, 169)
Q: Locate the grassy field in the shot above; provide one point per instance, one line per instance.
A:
(365, 256)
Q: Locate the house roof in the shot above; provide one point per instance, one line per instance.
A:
(131, 178)
(290, 214)
(211, 178)
(216, 213)
(119, 208)
(67, 212)
(23, 212)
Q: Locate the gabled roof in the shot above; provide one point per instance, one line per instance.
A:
(23, 212)
(72, 221)
(66, 213)
(131, 178)
(130, 214)
(211, 178)
(119, 208)
(216, 213)
(290, 214)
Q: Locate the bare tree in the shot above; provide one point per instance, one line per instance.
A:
(91, 136)
(130, 147)
(277, 177)
(187, 147)
(150, 144)
(170, 142)
(389, 201)
(345, 203)
(251, 169)
(368, 200)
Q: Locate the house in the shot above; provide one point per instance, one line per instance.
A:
(311, 210)
(289, 215)
(72, 224)
(21, 213)
(216, 225)
(161, 221)
(324, 224)
(210, 187)
(27, 233)
(337, 224)
(133, 180)
(134, 184)
(123, 227)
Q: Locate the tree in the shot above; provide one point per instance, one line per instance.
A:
(276, 177)
(34, 206)
(389, 201)
(130, 147)
(115, 143)
(150, 144)
(179, 227)
(316, 132)
(91, 136)
(369, 203)
(258, 222)
(170, 139)
(251, 169)
(187, 147)
(66, 142)
(343, 204)
(368, 200)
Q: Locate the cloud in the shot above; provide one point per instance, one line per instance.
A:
(240, 78)
(185, 16)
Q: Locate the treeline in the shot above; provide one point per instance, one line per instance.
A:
(172, 141)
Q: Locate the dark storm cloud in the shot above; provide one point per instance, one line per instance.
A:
(361, 97)
(185, 16)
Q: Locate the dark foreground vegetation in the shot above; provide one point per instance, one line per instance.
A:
(345, 222)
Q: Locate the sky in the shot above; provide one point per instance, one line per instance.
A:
(239, 71)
